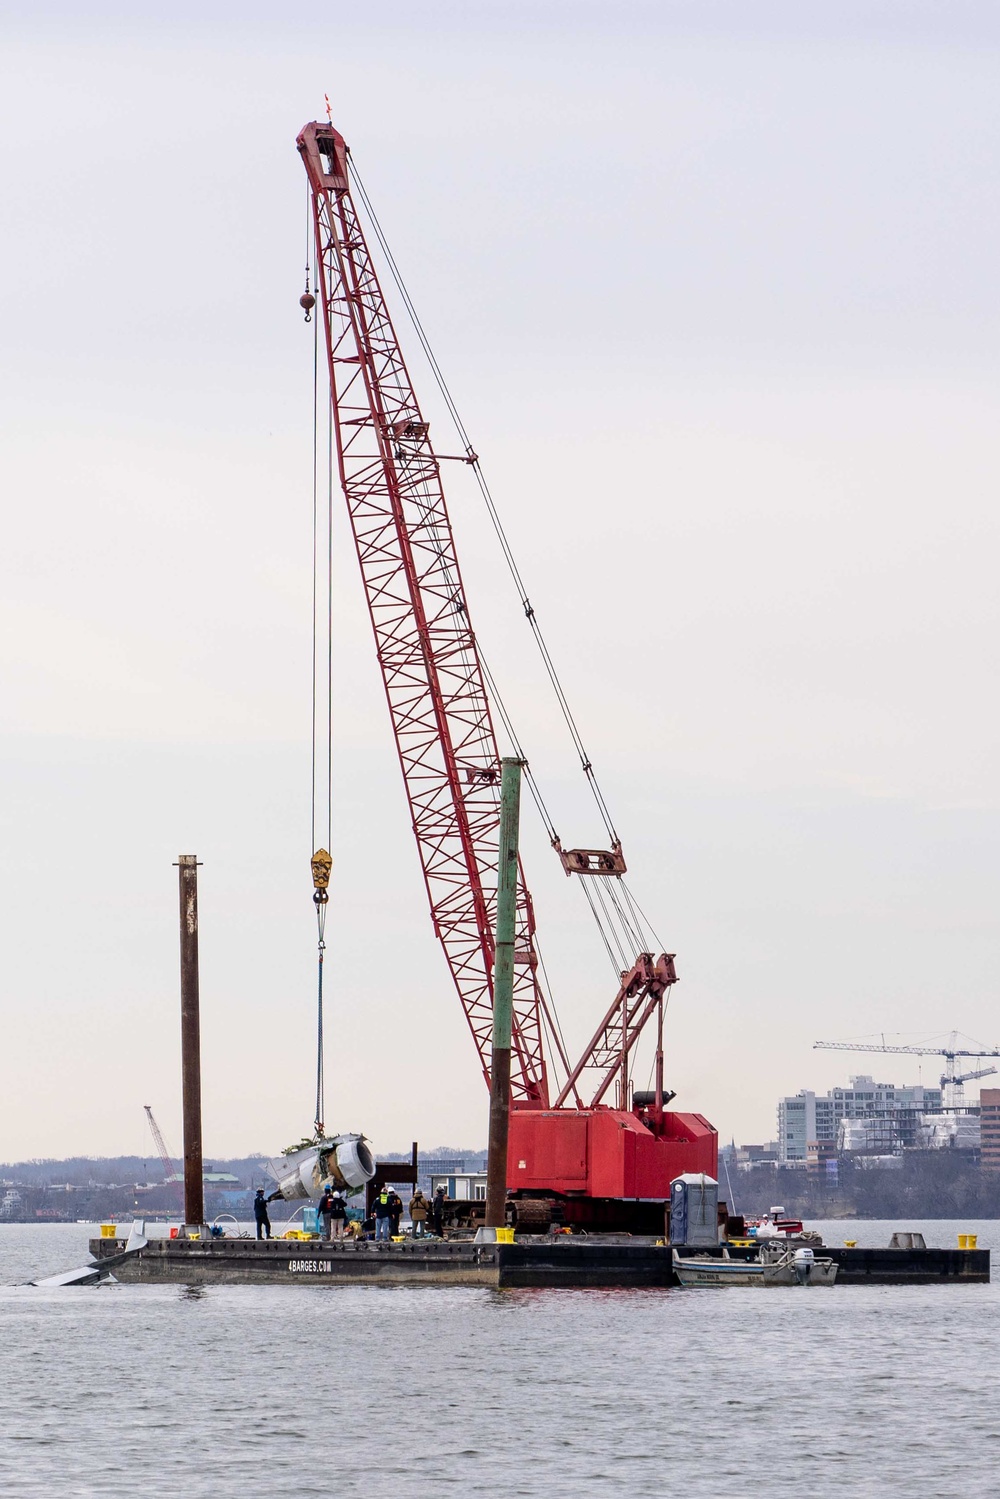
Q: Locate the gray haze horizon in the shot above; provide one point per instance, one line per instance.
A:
(715, 291)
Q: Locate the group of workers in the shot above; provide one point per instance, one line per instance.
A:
(332, 1209)
(389, 1210)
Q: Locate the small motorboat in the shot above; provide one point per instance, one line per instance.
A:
(776, 1265)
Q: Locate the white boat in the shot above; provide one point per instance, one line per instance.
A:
(774, 1267)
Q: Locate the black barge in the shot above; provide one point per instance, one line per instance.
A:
(534, 1260)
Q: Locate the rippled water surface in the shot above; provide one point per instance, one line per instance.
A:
(165, 1391)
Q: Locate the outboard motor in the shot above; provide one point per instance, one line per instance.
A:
(802, 1263)
(344, 1160)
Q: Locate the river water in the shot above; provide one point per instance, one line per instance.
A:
(170, 1391)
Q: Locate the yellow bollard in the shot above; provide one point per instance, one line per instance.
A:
(963, 1241)
(971, 1240)
(850, 1243)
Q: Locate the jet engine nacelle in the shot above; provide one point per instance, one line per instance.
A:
(344, 1160)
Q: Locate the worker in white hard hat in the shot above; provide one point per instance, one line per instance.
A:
(338, 1215)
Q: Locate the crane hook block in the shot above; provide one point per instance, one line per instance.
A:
(307, 302)
(321, 866)
(597, 861)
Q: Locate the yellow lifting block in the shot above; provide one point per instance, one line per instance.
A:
(505, 1235)
(322, 864)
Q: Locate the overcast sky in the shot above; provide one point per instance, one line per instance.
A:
(714, 285)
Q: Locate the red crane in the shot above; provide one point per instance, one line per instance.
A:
(436, 692)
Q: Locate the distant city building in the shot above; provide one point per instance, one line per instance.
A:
(746, 1157)
(431, 1168)
(877, 1134)
(821, 1159)
(469, 1186)
(804, 1120)
(224, 1179)
(758, 1155)
(812, 1126)
(950, 1130)
(989, 1119)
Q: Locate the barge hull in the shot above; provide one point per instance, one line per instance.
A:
(562, 1261)
(874, 1267)
(236, 1262)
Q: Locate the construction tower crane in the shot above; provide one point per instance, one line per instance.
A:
(161, 1144)
(565, 1140)
(169, 1175)
(952, 1089)
(955, 1085)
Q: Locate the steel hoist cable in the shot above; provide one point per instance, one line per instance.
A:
(605, 923)
(321, 751)
(320, 1081)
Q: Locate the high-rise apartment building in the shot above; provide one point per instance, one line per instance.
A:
(803, 1121)
(812, 1120)
(989, 1120)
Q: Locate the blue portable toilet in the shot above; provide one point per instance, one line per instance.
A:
(310, 1219)
(694, 1210)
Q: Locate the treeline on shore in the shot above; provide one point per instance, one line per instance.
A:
(85, 1171)
(92, 1188)
(925, 1184)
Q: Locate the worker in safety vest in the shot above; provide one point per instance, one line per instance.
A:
(383, 1213)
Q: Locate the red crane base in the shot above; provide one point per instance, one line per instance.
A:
(609, 1168)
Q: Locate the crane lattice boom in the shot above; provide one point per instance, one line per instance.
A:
(160, 1143)
(913, 1051)
(425, 642)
